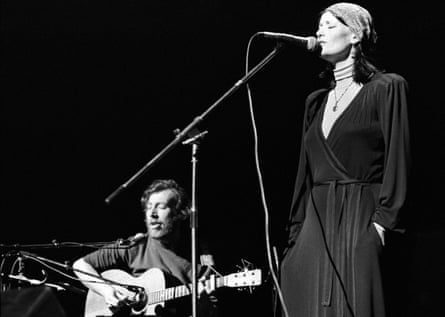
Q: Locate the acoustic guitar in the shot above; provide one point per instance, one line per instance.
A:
(156, 293)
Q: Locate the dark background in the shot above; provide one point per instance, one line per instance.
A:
(92, 91)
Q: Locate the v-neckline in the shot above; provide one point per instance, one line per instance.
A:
(339, 118)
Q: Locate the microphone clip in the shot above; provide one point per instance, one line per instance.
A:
(131, 241)
(195, 137)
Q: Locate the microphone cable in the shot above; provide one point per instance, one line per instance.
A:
(266, 211)
(261, 185)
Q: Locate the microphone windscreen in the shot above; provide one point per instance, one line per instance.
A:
(312, 44)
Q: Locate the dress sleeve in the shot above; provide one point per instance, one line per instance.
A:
(302, 182)
(394, 123)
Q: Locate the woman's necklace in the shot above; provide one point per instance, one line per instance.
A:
(337, 100)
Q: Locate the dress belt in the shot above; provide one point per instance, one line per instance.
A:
(344, 182)
(335, 254)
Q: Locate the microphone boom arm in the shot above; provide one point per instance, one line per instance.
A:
(133, 288)
(182, 134)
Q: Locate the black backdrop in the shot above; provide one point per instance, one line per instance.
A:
(92, 90)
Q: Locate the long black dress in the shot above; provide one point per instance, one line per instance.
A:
(345, 182)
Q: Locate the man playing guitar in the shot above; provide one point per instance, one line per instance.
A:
(149, 260)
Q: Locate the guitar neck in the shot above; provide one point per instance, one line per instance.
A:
(179, 291)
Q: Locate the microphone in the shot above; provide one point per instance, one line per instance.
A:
(310, 42)
(133, 239)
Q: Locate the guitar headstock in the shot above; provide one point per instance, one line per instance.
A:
(244, 278)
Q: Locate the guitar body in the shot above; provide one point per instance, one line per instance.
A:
(153, 283)
(152, 280)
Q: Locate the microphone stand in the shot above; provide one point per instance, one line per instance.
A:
(133, 288)
(187, 131)
(13, 250)
(182, 134)
(55, 244)
(194, 141)
(115, 244)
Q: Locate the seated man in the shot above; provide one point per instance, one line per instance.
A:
(163, 249)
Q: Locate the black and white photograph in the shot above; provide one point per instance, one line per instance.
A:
(222, 158)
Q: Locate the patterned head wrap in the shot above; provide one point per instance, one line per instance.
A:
(356, 18)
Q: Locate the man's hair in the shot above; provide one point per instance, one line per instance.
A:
(180, 200)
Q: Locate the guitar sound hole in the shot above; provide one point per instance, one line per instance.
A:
(139, 303)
